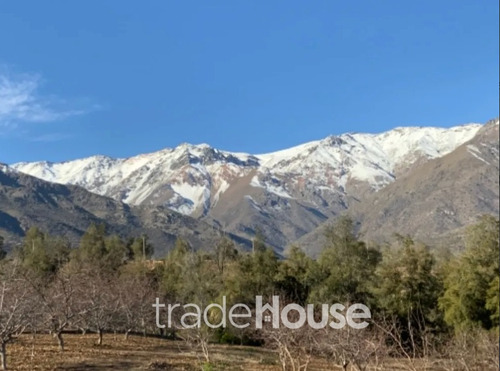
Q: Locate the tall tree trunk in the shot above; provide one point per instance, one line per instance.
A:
(127, 333)
(3, 356)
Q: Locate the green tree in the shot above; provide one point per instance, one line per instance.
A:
(224, 252)
(256, 275)
(406, 283)
(345, 266)
(492, 300)
(100, 251)
(471, 286)
(174, 268)
(294, 277)
(258, 241)
(141, 248)
(117, 252)
(406, 288)
(92, 245)
(42, 253)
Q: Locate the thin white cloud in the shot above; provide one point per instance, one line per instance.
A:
(21, 102)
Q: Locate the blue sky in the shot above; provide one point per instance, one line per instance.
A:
(121, 78)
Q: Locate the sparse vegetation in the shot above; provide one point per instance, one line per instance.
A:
(92, 305)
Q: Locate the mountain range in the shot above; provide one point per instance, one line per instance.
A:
(426, 181)
(67, 210)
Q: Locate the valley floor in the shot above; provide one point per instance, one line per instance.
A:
(136, 353)
(147, 353)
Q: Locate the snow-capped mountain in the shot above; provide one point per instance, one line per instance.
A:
(187, 178)
(67, 210)
(297, 187)
(190, 177)
(435, 200)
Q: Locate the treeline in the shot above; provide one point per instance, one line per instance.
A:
(427, 309)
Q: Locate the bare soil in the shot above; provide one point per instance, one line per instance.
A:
(145, 353)
(136, 353)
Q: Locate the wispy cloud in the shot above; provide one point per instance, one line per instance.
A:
(22, 102)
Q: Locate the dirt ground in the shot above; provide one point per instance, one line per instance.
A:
(145, 353)
(136, 353)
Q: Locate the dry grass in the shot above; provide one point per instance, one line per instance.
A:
(142, 353)
(136, 353)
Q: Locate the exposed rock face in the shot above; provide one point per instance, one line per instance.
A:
(435, 200)
(287, 193)
(27, 201)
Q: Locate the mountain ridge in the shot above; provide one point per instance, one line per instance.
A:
(286, 193)
(68, 210)
(434, 202)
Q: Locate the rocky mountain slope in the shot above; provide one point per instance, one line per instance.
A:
(436, 200)
(286, 194)
(68, 210)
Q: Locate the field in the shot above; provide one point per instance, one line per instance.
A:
(139, 353)
(136, 353)
(148, 353)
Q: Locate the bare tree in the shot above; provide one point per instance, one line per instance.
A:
(489, 350)
(361, 348)
(136, 291)
(471, 350)
(198, 339)
(15, 300)
(98, 303)
(294, 346)
(413, 344)
(60, 304)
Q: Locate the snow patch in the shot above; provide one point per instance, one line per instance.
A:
(195, 172)
(253, 203)
(271, 188)
(474, 151)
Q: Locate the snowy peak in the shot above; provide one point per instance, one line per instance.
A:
(373, 158)
(431, 142)
(5, 168)
(192, 178)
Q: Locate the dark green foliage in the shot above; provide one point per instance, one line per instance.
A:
(406, 284)
(404, 288)
(295, 276)
(257, 273)
(43, 254)
(224, 252)
(140, 248)
(405, 281)
(117, 252)
(259, 241)
(345, 267)
(175, 269)
(97, 249)
(471, 286)
(92, 244)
